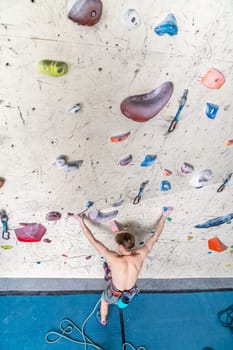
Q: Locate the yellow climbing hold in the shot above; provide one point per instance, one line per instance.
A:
(189, 237)
(52, 68)
(6, 246)
(228, 265)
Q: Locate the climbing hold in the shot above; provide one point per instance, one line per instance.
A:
(125, 160)
(61, 162)
(216, 221)
(216, 245)
(120, 138)
(213, 79)
(86, 12)
(149, 160)
(201, 179)
(167, 172)
(52, 68)
(30, 232)
(186, 168)
(167, 26)
(47, 240)
(88, 257)
(118, 204)
(74, 109)
(165, 186)
(229, 142)
(189, 237)
(211, 110)
(131, 18)
(53, 216)
(2, 180)
(6, 246)
(98, 216)
(88, 205)
(142, 108)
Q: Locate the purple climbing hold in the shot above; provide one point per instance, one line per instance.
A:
(98, 216)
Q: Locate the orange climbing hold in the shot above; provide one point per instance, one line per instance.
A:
(2, 180)
(215, 244)
(121, 137)
(229, 142)
(213, 79)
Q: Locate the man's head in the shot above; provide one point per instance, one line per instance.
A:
(126, 241)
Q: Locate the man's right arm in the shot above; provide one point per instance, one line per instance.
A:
(99, 246)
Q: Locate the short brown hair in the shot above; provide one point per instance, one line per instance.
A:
(125, 239)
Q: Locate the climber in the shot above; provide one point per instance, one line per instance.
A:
(124, 265)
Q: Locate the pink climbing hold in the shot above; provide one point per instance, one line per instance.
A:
(53, 216)
(86, 12)
(215, 244)
(213, 79)
(30, 232)
(142, 108)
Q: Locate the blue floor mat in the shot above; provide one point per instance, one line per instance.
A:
(163, 321)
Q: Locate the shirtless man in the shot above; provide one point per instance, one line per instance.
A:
(125, 266)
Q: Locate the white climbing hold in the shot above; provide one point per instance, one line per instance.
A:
(131, 18)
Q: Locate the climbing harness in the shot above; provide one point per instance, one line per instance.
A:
(67, 327)
(4, 219)
(139, 195)
(225, 317)
(175, 120)
(221, 188)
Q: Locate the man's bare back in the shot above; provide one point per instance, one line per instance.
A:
(124, 269)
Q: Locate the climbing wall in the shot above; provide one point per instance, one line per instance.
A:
(80, 136)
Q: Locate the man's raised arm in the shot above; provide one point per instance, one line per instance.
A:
(99, 246)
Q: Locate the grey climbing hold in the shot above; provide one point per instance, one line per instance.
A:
(131, 18)
(62, 163)
(74, 109)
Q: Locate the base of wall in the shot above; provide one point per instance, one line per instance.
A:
(18, 286)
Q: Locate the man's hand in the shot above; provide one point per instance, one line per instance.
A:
(79, 218)
(167, 211)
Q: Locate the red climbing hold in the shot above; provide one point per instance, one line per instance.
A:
(86, 12)
(30, 232)
(142, 108)
(215, 244)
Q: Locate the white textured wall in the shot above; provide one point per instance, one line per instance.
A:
(107, 63)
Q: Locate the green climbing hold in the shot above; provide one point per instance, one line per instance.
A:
(6, 246)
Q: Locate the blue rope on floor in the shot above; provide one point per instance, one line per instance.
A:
(67, 327)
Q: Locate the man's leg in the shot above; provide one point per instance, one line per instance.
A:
(103, 311)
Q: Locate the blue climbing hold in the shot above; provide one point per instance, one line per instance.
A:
(211, 110)
(149, 160)
(165, 186)
(216, 221)
(167, 26)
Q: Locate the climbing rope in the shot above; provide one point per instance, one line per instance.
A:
(67, 327)
(225, 317)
